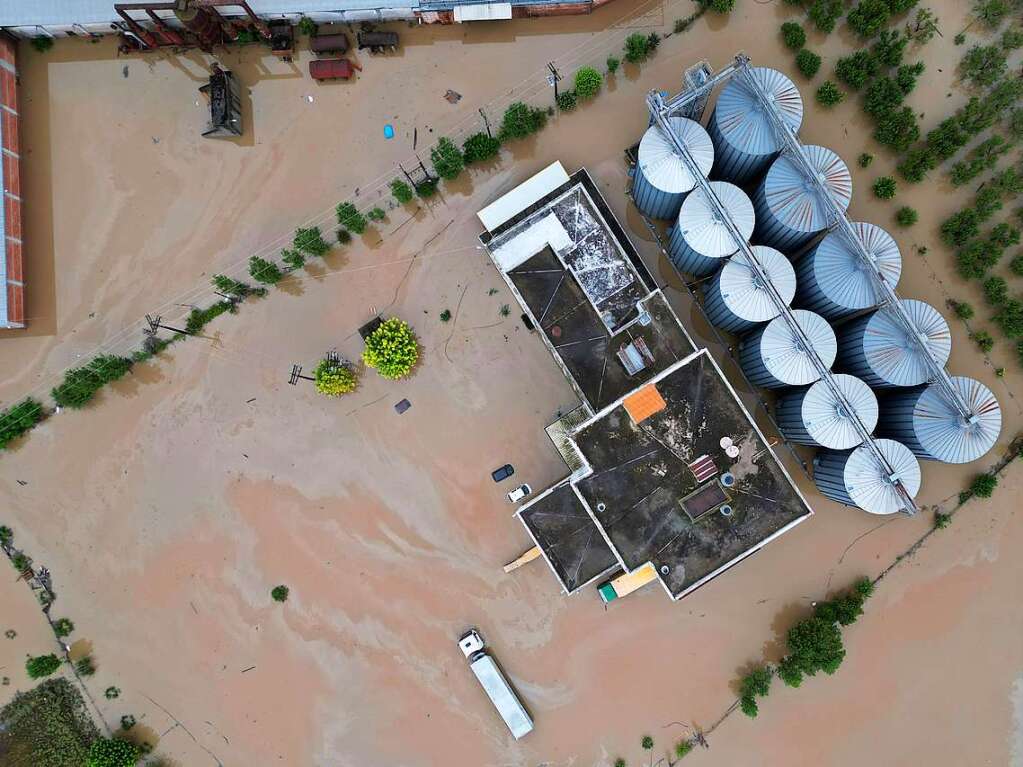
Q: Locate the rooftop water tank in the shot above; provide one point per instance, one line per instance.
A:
(743, 134)
(856, 478)
(791, 210)
(774, 356)
(662, 179)
(878, 349)
(814, 415)
(931, 427)
(737, 300)
(833, 279)
(700, 237)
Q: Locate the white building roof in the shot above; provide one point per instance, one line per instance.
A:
(521, 197)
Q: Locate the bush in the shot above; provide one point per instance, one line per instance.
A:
(864, 587)
(306, 26)
(808, 62)
(279, 593)
(996, 290)
(907, 75)
(112, 752)
(869, 17)
(521, 121)
(857, 69)
(882, 97)
(447, 160)
(81, 384)
(635, 48)
(392, 349)
(906, 216)
(63, 627)
(349, 217)
(588, 82)
(963, 310)
(829, 94)
(426, 189)
(112, 693)
(612, 63)
(647, 743)
(983, 65)
(652, 41)
(401, 191)
(376, 214)
(310, 241)
(983, 340)
(884, 188)
(42, 665)
(127, 722)
(479, 147)
(983, 485)
(682, 748)
(567, 101)
(719, 6)
(864, 160)
(334, 379)
(1012, 38)
(897, 129)
(825, 14)
(18, 419)
(990, 13)
(85, 666)
(264, 271)
(1010, 318)
(445, 316)
(889, 48)
(6, 534)
(1016, 266)
(42, 43)
(292, 258)
(792, 35)
(748, 706)
(960, 227)
(941, 521)
(815, 645)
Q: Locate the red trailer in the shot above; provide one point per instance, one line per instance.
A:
(331, 69)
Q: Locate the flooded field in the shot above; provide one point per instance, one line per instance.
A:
(169, 509)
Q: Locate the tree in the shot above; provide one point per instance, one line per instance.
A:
(647, 743)
(392, 349)
(869, 17)
(334, 379)
(349, 217)
(864, 587)
(983, 64)
(521, 121)
(612, 64)
(1010, 318)
(280, 593)
(447, 160)
(306, 26)
(960, 227)
(41, 665)
(829, 94)
(890, 47)
(719, 6)
(983, 485)
(996, 290)
(815, 645)
(376, 214)
(401, 191)
(924, 26)
(898, 7)
(635, 48)
(990, 13)
(884, 188)
(983, 340)
(808, 62)
(825, 14)
(897, 129)
(881, 97)
(18, 419)
(857, 69)
(1014, 124)
(63, 627)
(42, 43)
(1016, 266)
(792, 35)
(427, 188)
(264, 271)
(906, 216)
(567, 101)
(756, 682)
(1012, 38)
(479, 147)
(907, 75)
(987, 202)
(789, 672)
(963, 310)
(588, 82)
(682, 748)
(81, 384)
(1003, 235)
(112, 752)
(310, 241)
(748, 706)
(292, 258)
(864, 160)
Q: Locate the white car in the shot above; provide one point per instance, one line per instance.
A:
(519, 493)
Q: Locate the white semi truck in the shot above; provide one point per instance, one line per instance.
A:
(494, 684)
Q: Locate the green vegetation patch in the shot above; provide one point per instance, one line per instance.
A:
(46, 726)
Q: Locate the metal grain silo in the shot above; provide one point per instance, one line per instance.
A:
(814, 415)
(774, 356)
(932, 427)
(856, 478)
(744, 136)
(833, 279)
(662, 179)
(878, 349)
(700, 238)
(791, 209)
(737, 300)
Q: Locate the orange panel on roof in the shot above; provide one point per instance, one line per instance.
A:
(644, 403)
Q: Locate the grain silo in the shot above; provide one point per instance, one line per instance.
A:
(791, 208)
(744, 136)
(814, 415)
(700, 237)
(878, 348)
(662, 179)
(737, 300)
(835, 282)
(775, 355)
(930, 425)
(856, 478)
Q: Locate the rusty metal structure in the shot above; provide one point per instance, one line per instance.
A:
(203, 26)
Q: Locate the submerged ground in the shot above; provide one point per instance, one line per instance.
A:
(168, 510)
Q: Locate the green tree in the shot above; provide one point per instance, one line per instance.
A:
(306, 26)
(682, 748)
(890, 47)
(1016, 266)
(906, 216)
(923, 27)
(990, 13)
(983, 64)
(897, 129)
(748, 706)
(567, 101)
(857, 69)
(480, 147)
(869, 17)
(983, 485)
(983, 340)
(588, 82)
(960, 227)
(264, 271)
(941, 521)
(885, 188)
(1012, 38)
(18, 419)
(41, 665)
(635, 48)
(229, 286)
(81, 384)
(808, 62)
(293, 258)
(719, 6)
(829, 94)
(376, 214)
(963, 310)
(280, 593)
(792, 35)
(112, 752)
(310, 241)
(401, 191)
(756, 683)
(647, 742)
(996, 290)
(63, 627)
(612, 64)
(349, 217)
(447, 160)
(1010, 318)
(520, 121)
(907, 75)
(815, 645)
(392, 349)
(427, 188)
(334, 379)
(864, 587)
(864, 160)
(882, 96)
(825, 14)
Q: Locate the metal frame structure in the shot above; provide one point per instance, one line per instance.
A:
(660, 110)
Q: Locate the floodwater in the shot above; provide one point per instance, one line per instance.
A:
(168, 510)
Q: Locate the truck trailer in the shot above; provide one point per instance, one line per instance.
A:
(495, 684)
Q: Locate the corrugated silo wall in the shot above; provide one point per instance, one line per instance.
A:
(851, 355)
(687, 260)
(829, 475)
(789, 417)
(731, 163)
(771, 230)
(717, 310)
(654, 202)
(810, 295)
(899, 422)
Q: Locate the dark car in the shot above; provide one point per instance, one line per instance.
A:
(503, 473)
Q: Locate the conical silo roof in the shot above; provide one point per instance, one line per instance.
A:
(745, 294)
(741, 118)
(819, 415)
(868, 483)
(934, 429)
(795, 201)
(782, 353)
(704, 230)
(835, 274)
(879, 349)
(661, 164)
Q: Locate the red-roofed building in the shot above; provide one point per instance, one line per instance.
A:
(12, 297)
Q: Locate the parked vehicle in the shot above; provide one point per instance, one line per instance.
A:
(503, 473)
(336, 44)
(378, 42)
(331, 69)
(495, 684)
(519, 493)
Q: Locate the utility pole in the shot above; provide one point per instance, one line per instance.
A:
(486, 122)
(553, 78)
(296, 373)
(155, 324)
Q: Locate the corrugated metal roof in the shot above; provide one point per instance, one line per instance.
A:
(705, 231)
(662, 167)
(783, 354)
(890, 353)
(795, 201)
(841, 274)
(868, 482)
(744, 293)
(741, 118)
(828, 422)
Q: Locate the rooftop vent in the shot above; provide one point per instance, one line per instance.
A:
(726, 510)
